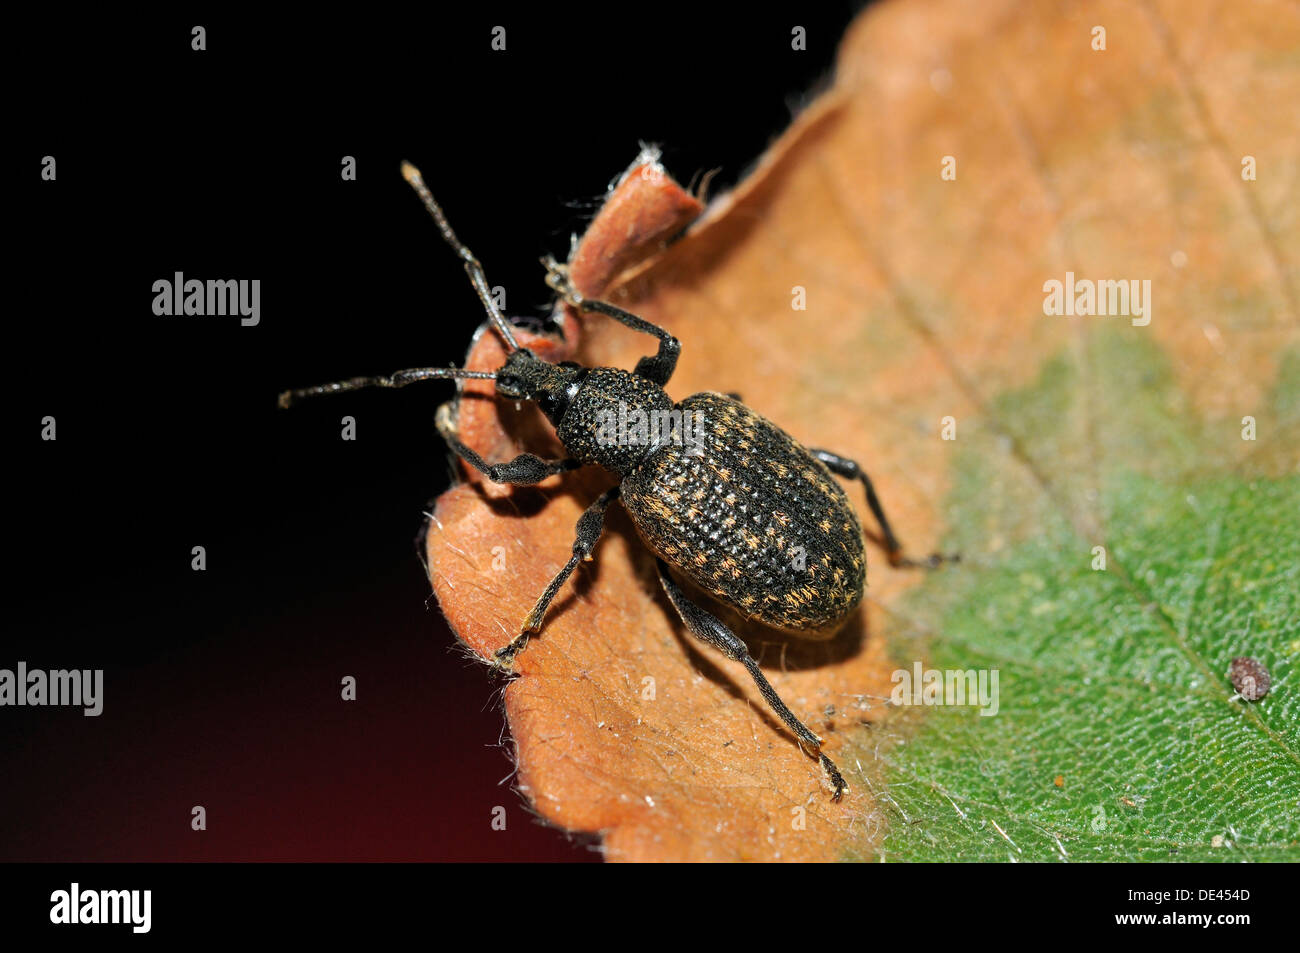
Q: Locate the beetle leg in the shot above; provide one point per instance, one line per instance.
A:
(524, 470)
(707, 628)
(850, 470)
(657, 369)
(590, 526)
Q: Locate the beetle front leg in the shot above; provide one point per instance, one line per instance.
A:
(657, 368)
(524, 470)
(590, 525)
(707, 628)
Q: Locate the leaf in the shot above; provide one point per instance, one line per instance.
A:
(1118, 736)
(925, 301)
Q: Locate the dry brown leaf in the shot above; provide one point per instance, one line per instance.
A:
(921, 302)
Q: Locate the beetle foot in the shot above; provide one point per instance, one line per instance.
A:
(837, 782)
(503, 660)
(558, 280)
(444, 419)
(933, 561)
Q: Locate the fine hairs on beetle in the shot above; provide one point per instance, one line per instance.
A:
(741, 509)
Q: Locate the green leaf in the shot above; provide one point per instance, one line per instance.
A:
(1117, 735)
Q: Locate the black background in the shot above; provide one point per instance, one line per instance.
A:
(222, 687)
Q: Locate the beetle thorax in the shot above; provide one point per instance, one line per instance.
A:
(616, 419)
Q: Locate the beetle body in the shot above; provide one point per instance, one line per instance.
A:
(719, 492)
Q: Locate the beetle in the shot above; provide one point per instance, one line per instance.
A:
(733, 503)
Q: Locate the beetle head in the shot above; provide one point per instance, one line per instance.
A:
(525, 376)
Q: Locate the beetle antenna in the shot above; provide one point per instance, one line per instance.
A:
(472, 267)
(397, 379)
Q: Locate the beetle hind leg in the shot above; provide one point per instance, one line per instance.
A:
(850, 470)
(707, 628)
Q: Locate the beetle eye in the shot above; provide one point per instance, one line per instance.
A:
(555, 402)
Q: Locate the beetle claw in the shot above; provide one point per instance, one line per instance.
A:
(503, 660)
(557, 279)
(838, 784)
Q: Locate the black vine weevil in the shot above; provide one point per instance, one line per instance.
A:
(719, 493)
